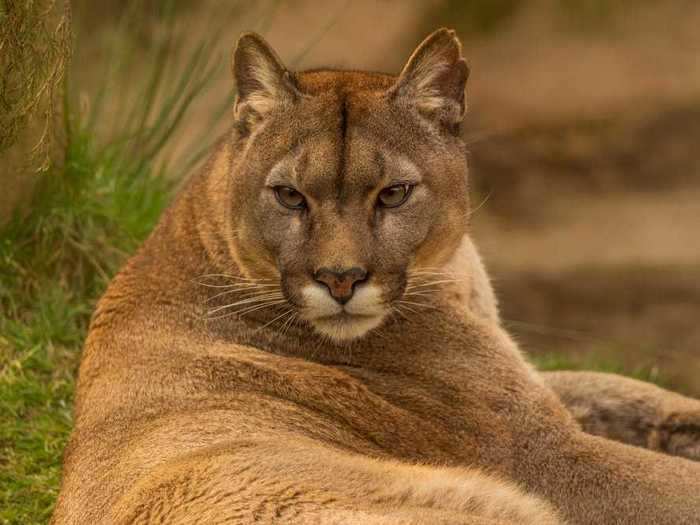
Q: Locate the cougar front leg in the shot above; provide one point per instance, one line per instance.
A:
(630, 411)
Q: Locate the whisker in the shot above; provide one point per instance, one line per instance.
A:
(250, 309)
(421, 293)
(247, 301)
(236, 277)
(481, 204)
(398, 311)
(240, 285)
(424, 305)
(404, 307)
(245, 293)
(250, 300)
(442, 273)
(245, 311)
(435, 279)
(431, 275)
(214, 285)
(431, 283)
(429, 270)
(288, 323)
(438, 268)
(292, 319)
(286, 312)
(451, 275)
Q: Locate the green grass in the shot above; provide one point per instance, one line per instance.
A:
(54, 263)
(598, 362)
(58, 253)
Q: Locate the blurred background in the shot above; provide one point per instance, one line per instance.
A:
(584, 132)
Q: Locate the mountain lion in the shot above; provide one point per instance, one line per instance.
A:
(308, 336)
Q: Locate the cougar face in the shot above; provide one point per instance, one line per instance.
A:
(348, 182)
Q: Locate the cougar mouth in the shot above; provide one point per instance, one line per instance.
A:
(364, 312)
(344, 326)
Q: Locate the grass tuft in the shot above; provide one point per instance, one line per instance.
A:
(599, 363)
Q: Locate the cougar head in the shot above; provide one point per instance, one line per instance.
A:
(346, 182)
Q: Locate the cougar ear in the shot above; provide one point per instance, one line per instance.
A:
(434, 78)
(262, 82)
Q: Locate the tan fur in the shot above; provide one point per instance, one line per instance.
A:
(187, 413)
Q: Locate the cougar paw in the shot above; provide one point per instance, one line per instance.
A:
(678, 435)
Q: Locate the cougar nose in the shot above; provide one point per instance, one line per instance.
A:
(341, 284)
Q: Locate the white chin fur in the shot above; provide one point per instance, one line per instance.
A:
(362, 313)
(346, 327)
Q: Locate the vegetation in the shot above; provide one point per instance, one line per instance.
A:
(87, 212)
(35, 48)
(599, 363)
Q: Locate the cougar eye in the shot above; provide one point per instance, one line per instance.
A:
(393, 196)
(289, 197)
